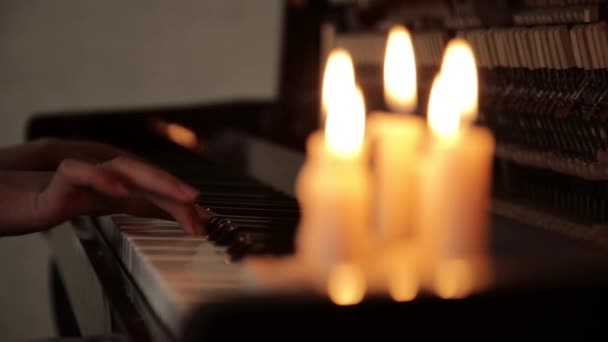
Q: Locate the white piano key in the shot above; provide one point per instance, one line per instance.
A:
(167, 239)
(169, 267)
(143, 243)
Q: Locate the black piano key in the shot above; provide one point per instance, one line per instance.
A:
(253, 243)
(252, 218)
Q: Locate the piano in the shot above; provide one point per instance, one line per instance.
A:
(543, 68)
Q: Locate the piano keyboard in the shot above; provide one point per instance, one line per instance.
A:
(177, 271)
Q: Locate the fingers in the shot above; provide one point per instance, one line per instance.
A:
(135, 188)
(191, 217)
(151, 179)
(186, 215)
(88, 175)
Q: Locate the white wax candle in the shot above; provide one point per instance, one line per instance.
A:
(334, 201)
(332, 188)
(396, 142)
(455, 179)
(395, 139)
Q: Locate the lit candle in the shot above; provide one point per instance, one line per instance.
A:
(454, 178)
(395, 138)
(333, 192)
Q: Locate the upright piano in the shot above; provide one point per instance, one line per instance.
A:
(543, 70)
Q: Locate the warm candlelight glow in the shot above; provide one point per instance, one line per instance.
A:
(338, 77)
(459, 71)
(403, 282)
(345, 125)
(181, 135)
(346, 285)
(443, 115)
(456, 177)
(400, 90)
(454, 279)
(177, 133)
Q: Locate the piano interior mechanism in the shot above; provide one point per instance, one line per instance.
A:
(543, 93)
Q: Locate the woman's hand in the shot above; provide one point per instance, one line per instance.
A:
(35, 201)
(46, 154)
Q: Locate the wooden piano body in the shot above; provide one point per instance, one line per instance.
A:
(146, 279)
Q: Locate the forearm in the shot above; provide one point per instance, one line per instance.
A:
(31, 179)
(35, 201)
(35, 155)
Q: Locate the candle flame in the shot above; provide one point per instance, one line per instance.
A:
(346, 285)
(177, 133)
(181, 135)
(338, 76)
(400, 90)
(443, 116)
(345, 124)
(459, 70)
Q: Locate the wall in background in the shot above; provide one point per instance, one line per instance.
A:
(88, 54)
